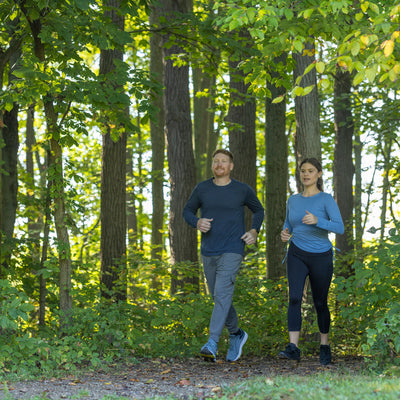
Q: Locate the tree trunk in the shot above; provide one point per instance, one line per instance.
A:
(276, 176)
(307, 138)
(9, 182)
(242, 131)
(358, 193)
(183, 238)
(131, 216)
(64, 252)
(203, 121)
(35, 219)
(386, 152)
(55, 175)
(157, 145)
(9, 143)
(113, 183)
(343, 165)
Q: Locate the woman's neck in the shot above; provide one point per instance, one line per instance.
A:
(310, 191)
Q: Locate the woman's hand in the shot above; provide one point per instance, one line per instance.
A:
(285, 235)
(309, 219)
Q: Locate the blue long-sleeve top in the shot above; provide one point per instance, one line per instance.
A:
(225, 204)
(313, 238)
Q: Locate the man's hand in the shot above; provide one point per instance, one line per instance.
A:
(285, 235)
(250, 237)
(309, 219)
(204, 224)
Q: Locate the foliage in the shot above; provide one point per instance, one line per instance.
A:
(369, 302)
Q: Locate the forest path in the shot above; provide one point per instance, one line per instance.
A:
(183, 378)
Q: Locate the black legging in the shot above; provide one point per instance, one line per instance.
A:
(319, 268)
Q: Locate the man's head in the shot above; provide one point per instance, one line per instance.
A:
(222, 163)
(223, 151)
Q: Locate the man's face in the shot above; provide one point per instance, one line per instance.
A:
(221, 165)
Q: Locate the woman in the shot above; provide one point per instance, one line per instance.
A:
(310, 216)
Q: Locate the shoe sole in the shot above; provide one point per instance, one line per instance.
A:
(244, 340)
(208, 357)
(283, 356)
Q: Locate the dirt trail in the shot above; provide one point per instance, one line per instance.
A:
(192, 378)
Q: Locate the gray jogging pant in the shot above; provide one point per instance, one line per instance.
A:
(221, 272)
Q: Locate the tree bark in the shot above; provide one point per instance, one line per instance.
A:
(203, 121)
(113, 183)
(343, 165)
(9, 158)
(35, 219)
(358, 193)
(157, 144)
(307, 138)
(276, 175)
(242, 130)
(183, 239)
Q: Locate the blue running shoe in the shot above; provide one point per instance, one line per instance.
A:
(209, 351)
(236, 343)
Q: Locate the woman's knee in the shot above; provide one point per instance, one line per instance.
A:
(295, 301)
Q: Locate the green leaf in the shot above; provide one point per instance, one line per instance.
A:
(309, 68)
(370, 73)
(278, 99)
(320, 67)
(359, 78)
(251, 13)
(298, 45)
(307, 13)
(298, 91)
(308, 89)
(233, 24)
(355, 48)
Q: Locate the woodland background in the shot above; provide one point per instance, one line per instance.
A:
(109, 114)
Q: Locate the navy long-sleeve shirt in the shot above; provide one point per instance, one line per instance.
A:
(225, 205)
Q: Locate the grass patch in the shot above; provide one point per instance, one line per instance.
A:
(326, 385)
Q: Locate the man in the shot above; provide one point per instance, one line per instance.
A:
(221, 201)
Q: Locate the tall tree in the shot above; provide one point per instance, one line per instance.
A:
(157, 140)
(113, 173)
(203, 84)
(276, 171)
(183, 239)
(242, 125)
(9, 142)
(343, 165)
(307, 136)
(55, 171)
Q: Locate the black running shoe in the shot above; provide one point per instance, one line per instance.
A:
(325, 356)
(292, 352)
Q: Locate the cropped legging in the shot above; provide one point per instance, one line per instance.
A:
(319, 268)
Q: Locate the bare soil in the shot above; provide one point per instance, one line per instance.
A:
(184, 379)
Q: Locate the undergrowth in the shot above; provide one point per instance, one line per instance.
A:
(153, 323)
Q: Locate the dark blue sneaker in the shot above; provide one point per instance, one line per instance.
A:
(325, 356)
(292, 352)
(209, 351)
(236, 343)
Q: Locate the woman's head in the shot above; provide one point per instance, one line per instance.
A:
(313, 162)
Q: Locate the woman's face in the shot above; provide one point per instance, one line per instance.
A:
(309, 175)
